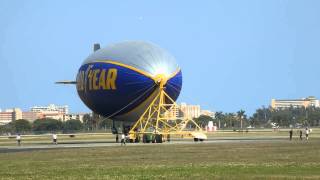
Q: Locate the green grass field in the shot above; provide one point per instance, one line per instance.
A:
(278, 159)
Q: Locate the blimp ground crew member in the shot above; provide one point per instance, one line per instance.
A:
(117, 138)
(307, 134)
(300, 134)
(18, 138)
(123, 139)
(54, 138)
(290, 134)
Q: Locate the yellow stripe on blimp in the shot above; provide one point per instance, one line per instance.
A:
(134, 68)
(126, 66)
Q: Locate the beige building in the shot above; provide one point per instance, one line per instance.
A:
(53, 115)
(51, 108)
(31, 116)
(10, 115)
(286, 103)
(17, 114)
(5, 117)
(173, 113)
(79, 117)
(51, 111)
(184, 111)
(208, 113)
(190, 111)
(39, 112)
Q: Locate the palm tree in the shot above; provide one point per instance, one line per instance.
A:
(240, 115)
(218, 115)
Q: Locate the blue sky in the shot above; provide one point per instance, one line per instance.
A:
(233, 54)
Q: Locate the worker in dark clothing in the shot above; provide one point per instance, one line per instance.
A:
(290, 134)
(117, 138)
(300, 132)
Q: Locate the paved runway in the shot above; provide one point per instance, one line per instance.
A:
(22, 148)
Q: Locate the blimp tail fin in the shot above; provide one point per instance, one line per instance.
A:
(66, 82)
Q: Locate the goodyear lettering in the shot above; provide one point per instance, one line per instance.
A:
(97, 79)
(90, 76)
(102, 80)
(111, 79)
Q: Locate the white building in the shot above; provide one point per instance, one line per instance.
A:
(51, 111)
(208, 113)
(286, 103)
(51, 108)
(74, 116)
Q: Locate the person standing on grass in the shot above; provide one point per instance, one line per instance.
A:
(290, 134)
(123, 139)
(117, 138)
(18, 138)
(300, 134)
(54, 138)
(307, 134)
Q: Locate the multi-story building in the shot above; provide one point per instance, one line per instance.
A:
(184, 111)
(208, 113)
(174, 112)
(39, 112)
(51, 108)
(10, 115)
(17, 114)
(286, 103)
(51, 111)
(5, 117)
(190, 111)
(74, 116)
(31, 116)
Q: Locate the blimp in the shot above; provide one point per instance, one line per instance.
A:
(135, 83)
(122, 79)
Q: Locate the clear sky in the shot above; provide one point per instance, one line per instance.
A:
(233, 54)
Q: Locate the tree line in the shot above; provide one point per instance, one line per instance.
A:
(46, 125)
(41, 126)
(286, 117)
(263, 117)
(223, 120)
